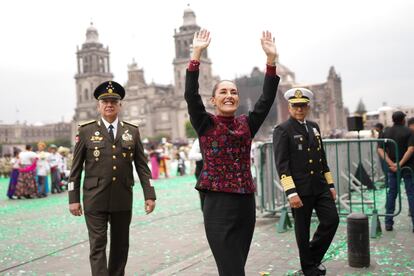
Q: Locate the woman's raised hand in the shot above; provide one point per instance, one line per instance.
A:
(269, 47)
(200, 42)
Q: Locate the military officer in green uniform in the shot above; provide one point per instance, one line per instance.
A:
(105, 150)
(305, 176)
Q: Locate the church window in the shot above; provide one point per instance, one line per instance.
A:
(86, 94)
(80, 65)
(164, 116)
(79, 94)
(101, 65)
(85, 65)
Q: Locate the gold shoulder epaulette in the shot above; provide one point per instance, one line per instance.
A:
(87, 123)
(131, 124)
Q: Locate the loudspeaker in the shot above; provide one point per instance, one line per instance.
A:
(355, 123)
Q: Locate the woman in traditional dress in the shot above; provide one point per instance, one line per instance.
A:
(225, 140)
(26, 182)
(155, 163)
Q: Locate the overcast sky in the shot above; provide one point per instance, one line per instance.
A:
(369, 42)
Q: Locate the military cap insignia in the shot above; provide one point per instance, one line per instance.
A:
(298, 94)
(109, 90)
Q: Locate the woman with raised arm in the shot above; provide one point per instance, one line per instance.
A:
(229, 208)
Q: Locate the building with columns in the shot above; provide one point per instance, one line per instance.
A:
(93, 69)
(159, 110)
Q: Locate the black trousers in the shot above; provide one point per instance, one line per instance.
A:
(311, 252)
(229, 221)
(202, 195)
(54, 186)
(97, 223)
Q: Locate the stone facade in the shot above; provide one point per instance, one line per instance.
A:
(159, 110)
(26, 134)
(327, 107)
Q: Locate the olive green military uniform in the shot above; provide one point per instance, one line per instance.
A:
(107, 189)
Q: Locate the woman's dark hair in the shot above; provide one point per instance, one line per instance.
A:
(28, 147)
(411, 121)
(216, 86)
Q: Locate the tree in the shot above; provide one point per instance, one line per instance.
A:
(361, 110)
(189, 130)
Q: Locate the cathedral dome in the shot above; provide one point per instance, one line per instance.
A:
(92, 35)
(189, 17)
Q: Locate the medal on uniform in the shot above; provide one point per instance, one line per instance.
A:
(126, 136)
(96, 153)
(96, 138)
(97, 133)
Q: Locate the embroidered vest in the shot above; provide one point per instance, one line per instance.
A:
(226, 155)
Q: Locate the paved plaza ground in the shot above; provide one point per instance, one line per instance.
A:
(40, 237)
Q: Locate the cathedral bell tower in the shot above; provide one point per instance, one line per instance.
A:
(183, 40)
(93, 69)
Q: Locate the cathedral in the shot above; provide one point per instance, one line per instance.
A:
(326, 108)
(160, 110)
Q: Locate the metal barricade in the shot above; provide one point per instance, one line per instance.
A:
(354, 163)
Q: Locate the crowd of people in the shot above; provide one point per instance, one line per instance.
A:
(35, 174)
(221, 157)
(167, 159)
(29, 171)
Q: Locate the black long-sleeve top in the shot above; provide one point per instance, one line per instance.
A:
(225, 141)
(201, 119)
